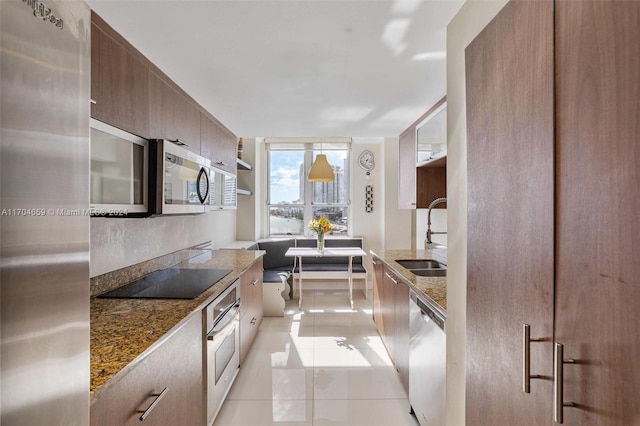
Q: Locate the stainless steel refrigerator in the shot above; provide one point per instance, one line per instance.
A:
(44, 226)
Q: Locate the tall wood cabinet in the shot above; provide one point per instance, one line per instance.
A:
(598, 208)
(554, 190)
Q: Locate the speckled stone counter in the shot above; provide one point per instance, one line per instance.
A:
(124, 330)
(435, 288)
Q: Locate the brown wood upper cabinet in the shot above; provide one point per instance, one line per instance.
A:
(218, 145)
(553, 190)
(119, 82)
(419, 186)
(378, 296)
(131, 93)
(171, 115)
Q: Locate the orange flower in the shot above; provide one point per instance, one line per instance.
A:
(321, 225)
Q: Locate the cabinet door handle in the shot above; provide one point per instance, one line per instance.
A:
(93, 102)
(558, 383)
(526, 358)
(374, 261)
(221, 163)
(155, 402)
(177, 141)
(254, 282)
(253, 321)
(391, 277)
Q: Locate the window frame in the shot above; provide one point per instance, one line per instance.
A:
(307, 204)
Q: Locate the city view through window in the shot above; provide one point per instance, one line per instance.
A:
(293, 201)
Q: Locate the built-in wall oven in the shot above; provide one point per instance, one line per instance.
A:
(221, 348)
(179, 179)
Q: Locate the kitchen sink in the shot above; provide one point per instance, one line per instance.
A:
(442, 272)
(424, 267)
(421, 264)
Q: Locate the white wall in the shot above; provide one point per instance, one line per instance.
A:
(465, 26)
(223, 227)
(438, 224)
(120, 242)
(362, 224)
(117, 243)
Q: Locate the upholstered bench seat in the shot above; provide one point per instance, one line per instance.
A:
(329, 267)
(278, 267)
(275, 276)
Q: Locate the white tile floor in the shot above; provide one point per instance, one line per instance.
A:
(324, 365)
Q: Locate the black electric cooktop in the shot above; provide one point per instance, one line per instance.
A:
(171, 283)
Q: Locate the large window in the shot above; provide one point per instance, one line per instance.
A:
(292, 201)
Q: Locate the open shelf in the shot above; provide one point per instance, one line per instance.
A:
(242, 165)
(438, 160)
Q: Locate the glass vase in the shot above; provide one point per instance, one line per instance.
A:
(320, 242)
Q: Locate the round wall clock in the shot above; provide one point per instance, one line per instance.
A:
(365, 160)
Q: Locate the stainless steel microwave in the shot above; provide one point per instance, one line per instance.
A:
(179, 179)
(119, 170)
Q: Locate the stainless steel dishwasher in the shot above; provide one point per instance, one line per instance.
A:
(427, 361)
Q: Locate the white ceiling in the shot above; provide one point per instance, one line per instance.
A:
(296, 68)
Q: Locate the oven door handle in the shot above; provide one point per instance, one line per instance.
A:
(226, 322)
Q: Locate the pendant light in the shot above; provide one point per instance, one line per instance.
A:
(321, 170)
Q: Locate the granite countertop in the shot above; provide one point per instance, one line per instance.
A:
(124, 329)
(435, 288)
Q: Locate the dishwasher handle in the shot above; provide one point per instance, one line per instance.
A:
(428, 314)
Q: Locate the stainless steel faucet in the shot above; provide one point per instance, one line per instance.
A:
(429, 232)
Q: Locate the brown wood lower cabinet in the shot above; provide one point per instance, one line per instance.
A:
(384, 306)
(401, 312)
(391, 316)
(252, 308)
(378, 296)
(174, 367)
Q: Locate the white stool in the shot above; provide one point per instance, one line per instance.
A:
(273, 300)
